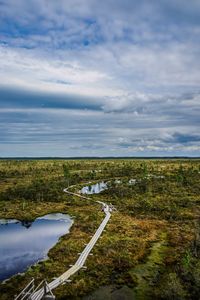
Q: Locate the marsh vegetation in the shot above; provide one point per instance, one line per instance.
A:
(151, 246)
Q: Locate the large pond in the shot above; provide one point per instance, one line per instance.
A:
(94, 188)
(22, 244)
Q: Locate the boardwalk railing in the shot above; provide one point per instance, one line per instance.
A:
(27, 291)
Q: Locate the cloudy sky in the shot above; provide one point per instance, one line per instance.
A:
(99, 78)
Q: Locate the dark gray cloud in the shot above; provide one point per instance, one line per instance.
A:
(16, 98)
(106, 77)
(184, 138)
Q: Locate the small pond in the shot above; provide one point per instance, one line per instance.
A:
(22, 244)
(94, 188)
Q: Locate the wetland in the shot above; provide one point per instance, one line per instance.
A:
(151, 245)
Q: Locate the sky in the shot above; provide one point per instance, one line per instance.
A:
(99, 78)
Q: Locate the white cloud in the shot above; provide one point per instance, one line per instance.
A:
(137, 61)
(22, 68)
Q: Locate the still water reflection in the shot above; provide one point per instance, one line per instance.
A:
(24, 243)
(94, 189)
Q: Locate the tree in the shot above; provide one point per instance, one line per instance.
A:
(144, 170)
(66, 172)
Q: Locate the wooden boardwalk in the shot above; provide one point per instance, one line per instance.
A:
(40, 293)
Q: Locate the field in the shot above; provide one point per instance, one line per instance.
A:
(151, 246)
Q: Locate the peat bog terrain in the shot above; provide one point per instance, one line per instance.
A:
(151, 246)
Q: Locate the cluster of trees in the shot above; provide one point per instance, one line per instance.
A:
(170, 195)
(37, 190)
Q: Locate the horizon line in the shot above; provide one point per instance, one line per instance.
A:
(95, 157)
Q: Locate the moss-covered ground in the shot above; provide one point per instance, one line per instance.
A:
(151, 246)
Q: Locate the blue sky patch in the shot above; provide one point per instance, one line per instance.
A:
(99, 78)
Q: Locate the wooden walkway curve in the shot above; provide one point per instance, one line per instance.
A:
(40, 293)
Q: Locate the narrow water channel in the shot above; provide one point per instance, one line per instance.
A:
(22, 244)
